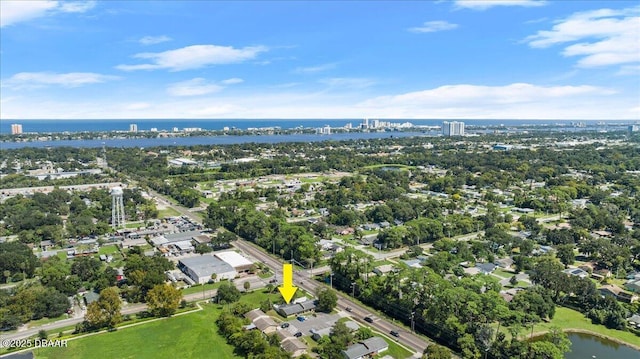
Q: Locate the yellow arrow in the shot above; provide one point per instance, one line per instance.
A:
(287, 289)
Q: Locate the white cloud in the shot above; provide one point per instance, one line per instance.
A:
(348, 82)
(194, 57)
(467, 94)
(600, 38)
(511, 101)
(76, 6)
(232, 81)
(434, 26)
(314, 69)
(486, 4)
(152, 40)
(193, 87)
(41, 79)
(13, 12)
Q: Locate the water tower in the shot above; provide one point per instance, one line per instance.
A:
(117, 208)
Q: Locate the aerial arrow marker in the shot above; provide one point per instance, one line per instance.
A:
(287, 289)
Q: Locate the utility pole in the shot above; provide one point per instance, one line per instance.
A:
(353, 289)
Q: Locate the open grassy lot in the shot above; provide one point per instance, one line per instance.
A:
(193, 335)
(168, 212)
(108, 250)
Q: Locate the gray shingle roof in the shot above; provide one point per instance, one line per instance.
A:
(365, 347)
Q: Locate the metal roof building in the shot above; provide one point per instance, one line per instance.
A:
(201, 268)
(237, 261)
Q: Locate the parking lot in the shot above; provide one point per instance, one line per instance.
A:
(319, 322)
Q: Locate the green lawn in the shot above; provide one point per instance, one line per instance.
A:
(168, 212)
(198, 289)
(395, 350)
(502, 273)
(192, 335)
(136, 224)
(108, 249)
(566, 318)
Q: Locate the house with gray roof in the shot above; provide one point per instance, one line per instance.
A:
(371, 346)
(297, 308)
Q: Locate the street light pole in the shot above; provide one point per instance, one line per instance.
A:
(412, 321)
(353, 289)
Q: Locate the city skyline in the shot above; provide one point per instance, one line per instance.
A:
(386, 60)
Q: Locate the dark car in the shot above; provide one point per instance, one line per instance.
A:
(349, 309)
(394, 333)
(284, 325)
(298, 334)
(368, 319)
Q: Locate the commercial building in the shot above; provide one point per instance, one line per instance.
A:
(453, 128)
(200, 268)
(235, 260)
(16, 128)
(133, 127)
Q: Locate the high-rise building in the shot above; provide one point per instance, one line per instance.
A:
(133, 127)
(453, 128)
(16, 128)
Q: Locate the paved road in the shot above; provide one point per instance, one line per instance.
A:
(358, 312)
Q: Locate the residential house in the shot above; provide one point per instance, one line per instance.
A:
(486, 268)
(368, 347)
(296, 308)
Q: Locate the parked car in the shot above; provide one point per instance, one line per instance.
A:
(298, 334)
(301, 318)
(284, 325)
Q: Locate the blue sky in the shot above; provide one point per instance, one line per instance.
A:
(318, 59)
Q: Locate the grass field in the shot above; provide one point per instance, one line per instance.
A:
(108, 249)
(193, 335)
(168, 212)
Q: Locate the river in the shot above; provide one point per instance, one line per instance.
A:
(586, 346)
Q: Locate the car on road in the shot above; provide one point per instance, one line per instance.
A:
(394, 333)
(273, 281)
(298, 334)
(284, 325)
(349, 309)
(368, 319)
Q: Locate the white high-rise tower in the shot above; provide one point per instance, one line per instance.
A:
(117, 208)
